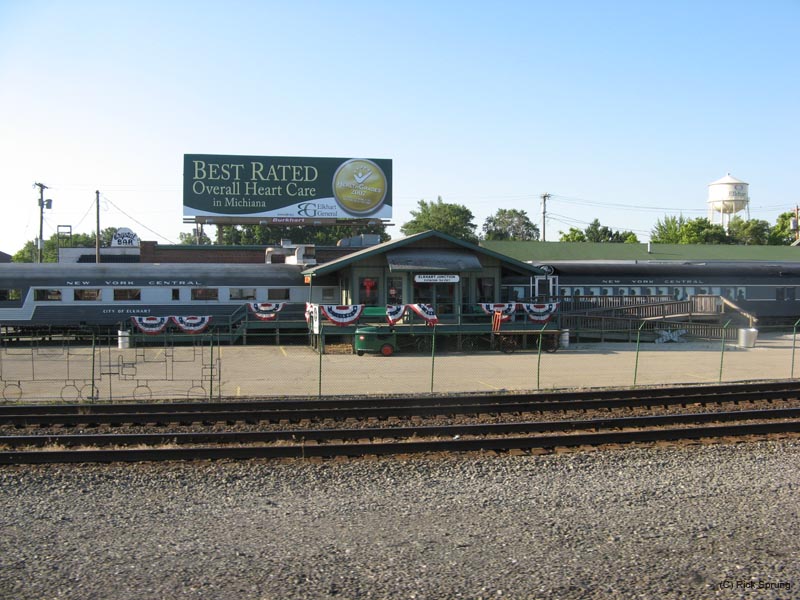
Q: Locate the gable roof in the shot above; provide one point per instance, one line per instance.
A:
(377, 250)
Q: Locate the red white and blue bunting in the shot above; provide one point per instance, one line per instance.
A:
(150, 325)
(506, 309)
(540, 313)
(342, 315)
(155, 325)
(267, 311)
(192, 324)
(395, 312)
(426, 312)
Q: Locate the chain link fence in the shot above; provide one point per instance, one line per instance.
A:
(379, 361)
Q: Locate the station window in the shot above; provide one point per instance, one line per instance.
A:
(485, 289)
(243, 293)
(328, 295)
(394, 290)
(205, 294)
(10, 295)
(47, 295)
(125, 294)
(278, 294)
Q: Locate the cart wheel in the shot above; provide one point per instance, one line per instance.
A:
(469, 344)
(508, 344)
(552, 345)
(360, 352)
(423, 344)
(387, 349)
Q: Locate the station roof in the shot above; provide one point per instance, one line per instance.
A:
(400, 251)
(542, 252)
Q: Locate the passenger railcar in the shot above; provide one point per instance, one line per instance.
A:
(106, 295)
(769, 291)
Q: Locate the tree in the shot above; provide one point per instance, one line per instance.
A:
(753, 232)
(598, 234)
(452, 219)
(703, 231)
(187, 238)
(668, 231)
(573, 235)
(510, 224)
(265, 235)
(51, 246)
(782, 233)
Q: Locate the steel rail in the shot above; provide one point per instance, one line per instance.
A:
(469, 429)
(409, 447)
(344, 402)
(380, 410)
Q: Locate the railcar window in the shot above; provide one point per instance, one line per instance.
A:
(43, 295)
(10, 295)
(205, 294)
(87, 295)
(176, 294)
(278, 294)
(123, 294)
(243, 293)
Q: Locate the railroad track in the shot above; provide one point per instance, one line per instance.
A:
(374, 440)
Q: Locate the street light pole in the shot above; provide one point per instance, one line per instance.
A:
(40, 246)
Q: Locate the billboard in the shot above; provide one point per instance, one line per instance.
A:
(286, 189)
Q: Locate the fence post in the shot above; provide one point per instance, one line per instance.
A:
(722, 354)
(539, 357)
(320, 346)
(636, 365)
(433, 355)
(93, 365)
(211, 368)
(794, 341)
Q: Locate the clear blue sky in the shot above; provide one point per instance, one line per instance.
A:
(624, 111)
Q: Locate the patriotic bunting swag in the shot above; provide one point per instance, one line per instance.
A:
(192, 324)
(150, 325)
(342, 315)
(426, 312)
(540, 313)
(395, 312)
(267, 311)
(506, 309)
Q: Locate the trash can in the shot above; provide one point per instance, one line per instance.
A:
(123, 339)
(563, 341)
(375, 340)
(747, 337)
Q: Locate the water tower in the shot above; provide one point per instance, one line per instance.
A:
(727, 196)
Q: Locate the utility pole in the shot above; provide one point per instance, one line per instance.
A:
(545, 198)
(97, 235)
(42, 205)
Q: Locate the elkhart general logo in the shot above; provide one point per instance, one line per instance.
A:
(359, 186)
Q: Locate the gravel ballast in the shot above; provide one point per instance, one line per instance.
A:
(684, 522)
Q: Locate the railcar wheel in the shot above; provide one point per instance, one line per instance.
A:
(387, 349)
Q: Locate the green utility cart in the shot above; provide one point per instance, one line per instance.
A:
(373, 339)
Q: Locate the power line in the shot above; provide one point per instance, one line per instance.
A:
(135, 221)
